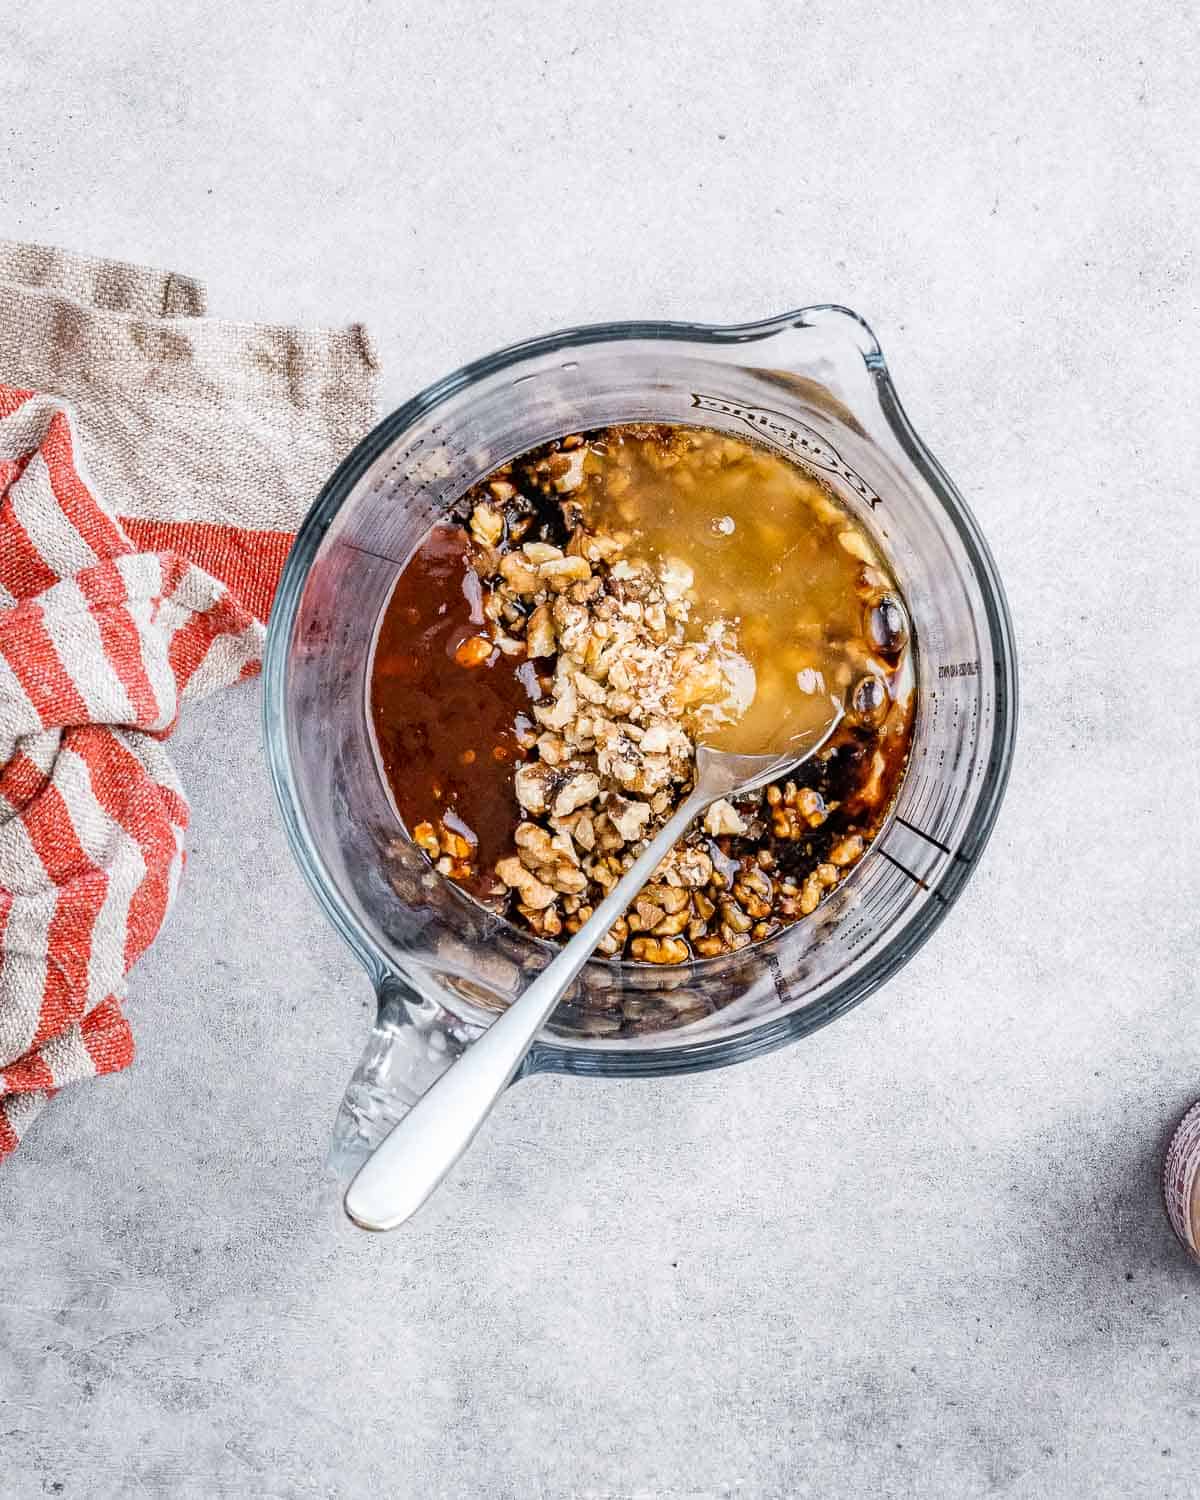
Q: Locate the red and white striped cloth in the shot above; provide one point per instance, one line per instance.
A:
(127, 589)
(100, 645)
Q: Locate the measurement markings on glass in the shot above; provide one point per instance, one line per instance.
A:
(857, 933)
(793, 436)
(367, 552)
(929, 838)
(782, 988)
(914, 852)
(924, 793)
(916, 879)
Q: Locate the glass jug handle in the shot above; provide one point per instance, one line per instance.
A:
(413, 1042)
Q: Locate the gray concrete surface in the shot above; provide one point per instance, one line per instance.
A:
(920, 1254)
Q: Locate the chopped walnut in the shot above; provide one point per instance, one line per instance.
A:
(695, 867)
(534, 784)
(677, 579)
(425, 837)
(578, 790)
(487, 525)
(846, 852)
(628, 816)
(564, 571)
(474, 651)
(666, 738)
(614, 753)
(795, 810)
(589, 689)
(615, 939)
(644, 915)
(552, 748)
(517, 573)
(571, 475)
(545, 921)
(532, 839)
(561, 711)
(671, 950)
(540, 553)
(531, 890)
(539, 632)
(723, 817)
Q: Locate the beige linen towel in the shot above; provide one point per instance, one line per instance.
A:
(154, 466)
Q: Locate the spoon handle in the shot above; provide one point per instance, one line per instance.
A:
(394, 1182)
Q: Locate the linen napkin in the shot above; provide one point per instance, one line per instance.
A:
(154, 467)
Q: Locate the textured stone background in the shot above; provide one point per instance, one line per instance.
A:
(920, 1254)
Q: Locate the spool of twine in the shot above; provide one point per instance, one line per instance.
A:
(1181, 1181)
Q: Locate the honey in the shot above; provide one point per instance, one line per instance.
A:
(769, 547)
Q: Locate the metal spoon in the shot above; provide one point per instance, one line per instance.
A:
(394, 1182)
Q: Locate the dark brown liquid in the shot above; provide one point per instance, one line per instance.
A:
(448, 735)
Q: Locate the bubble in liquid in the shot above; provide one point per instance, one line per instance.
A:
(887, 626)
(723, 525)
(869, 700)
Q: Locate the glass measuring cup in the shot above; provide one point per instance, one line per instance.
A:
(812, 384)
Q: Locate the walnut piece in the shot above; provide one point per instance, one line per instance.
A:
(534, 784)
(651, 950)
(517, 573)
(577, 791)
(723, 817)
(563, 571)
(539, 553)
(628, 816)
(474, 651)
(847, 851)
(539, 633)
(694, 868)
(533, 893)
(487, 525)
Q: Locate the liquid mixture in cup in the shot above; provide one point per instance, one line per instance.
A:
(555, 650)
